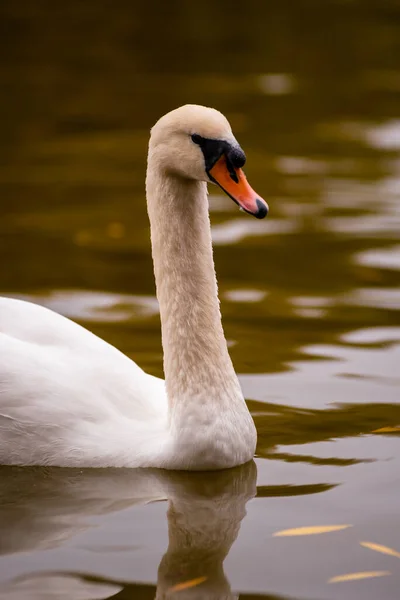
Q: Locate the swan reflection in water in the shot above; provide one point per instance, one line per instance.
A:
(42, 508)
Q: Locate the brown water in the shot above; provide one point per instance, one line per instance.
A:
(310, 297)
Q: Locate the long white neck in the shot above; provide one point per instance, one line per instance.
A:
(209, 423)
(196, 361)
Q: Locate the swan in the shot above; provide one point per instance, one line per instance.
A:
(69, 399)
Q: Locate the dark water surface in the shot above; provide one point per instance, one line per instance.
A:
(310, 297)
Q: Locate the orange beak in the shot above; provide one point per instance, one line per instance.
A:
(234, 183)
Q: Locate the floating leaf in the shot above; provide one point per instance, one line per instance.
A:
(356, 576)
(394, 429)
(316, 529)
(187, 584)
(380, 548)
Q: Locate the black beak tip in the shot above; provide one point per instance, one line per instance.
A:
(262, 209)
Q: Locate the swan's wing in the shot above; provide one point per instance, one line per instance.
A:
(56, 375)
(42, 327)
(42, 347)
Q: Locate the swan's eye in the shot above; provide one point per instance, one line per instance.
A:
(196, 138)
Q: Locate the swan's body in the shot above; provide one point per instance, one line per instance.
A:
(68, 398)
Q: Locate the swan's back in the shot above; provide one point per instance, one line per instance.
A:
(38, 325)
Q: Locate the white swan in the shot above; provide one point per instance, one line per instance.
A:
(67, 398)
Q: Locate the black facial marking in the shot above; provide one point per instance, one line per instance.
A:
(232, 171)
(214, 149)
(237, 157)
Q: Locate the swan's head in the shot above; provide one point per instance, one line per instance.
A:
(196, 142)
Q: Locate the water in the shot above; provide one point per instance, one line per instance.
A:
(310, 297)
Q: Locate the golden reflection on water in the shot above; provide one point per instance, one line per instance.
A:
(310, 296)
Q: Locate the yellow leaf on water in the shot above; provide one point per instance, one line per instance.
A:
(380, 548)
(356, 576)
(187, 584)
(394, 429)
(316, 529)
